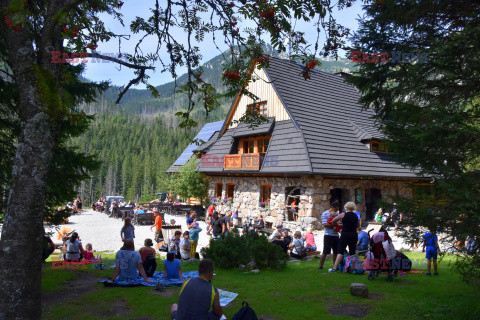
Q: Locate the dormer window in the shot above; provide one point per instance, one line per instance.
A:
(258, 107)
(253, 145)
(378, 146)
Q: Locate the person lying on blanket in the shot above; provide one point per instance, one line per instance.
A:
(127, 262)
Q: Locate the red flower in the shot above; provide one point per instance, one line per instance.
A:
(232, 4)
(234, 24)
(92, 46)
(119, 4)
(311, 64)
(232, 75)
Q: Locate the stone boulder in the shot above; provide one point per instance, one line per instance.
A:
(359, 289)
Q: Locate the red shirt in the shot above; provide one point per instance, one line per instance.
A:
(210, 210)
(88, 255)
(158, 222)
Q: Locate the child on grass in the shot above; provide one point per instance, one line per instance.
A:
(128, 230)
(88, 255)
(172, 267)
(431, 243)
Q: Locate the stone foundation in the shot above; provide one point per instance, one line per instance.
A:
(314, 195)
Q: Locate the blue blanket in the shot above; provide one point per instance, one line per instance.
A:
(157, 279)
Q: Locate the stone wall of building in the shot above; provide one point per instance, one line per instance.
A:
(314, 195)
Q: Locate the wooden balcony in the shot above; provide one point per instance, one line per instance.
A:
(249, 161)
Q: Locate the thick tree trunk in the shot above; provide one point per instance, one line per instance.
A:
(21, 242)
(22, 232)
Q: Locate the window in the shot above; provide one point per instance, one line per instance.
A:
(259, 107)
(230, 189)
(263, 145)
(377, 146)
(218, 191)
(254, 145)
(265, 195)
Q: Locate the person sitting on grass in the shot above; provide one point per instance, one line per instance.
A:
(88, 254)
(194, 233)
(277, 232)
(147, 254)
(310, 241)
(185, 246)
(280, 242)
(73, 248)
(128, 264)
(198, 299)
(128, 230)
(363, 240)
(297, 250)
(431, 243)
(172, 268)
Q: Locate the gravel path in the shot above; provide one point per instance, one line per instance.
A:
(103, 232)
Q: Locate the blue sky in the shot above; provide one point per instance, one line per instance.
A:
(132, 8)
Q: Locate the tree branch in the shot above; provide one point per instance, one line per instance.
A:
(123, 63)
(132, 82)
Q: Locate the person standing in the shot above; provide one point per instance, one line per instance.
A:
(349, 236)
(128, 230)
(236, 217)
(158, 227)
(294, 208)
(191, 219)
(218, 226)
(330, 238)
(210, 211)
(228, 222)
(431, 243)
(185, 246)
(194, 233)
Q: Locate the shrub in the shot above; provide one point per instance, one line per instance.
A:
(233, 250)
(469, 269)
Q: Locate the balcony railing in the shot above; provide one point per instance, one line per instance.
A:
(249, 161)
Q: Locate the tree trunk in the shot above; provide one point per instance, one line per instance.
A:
(22, 232)
(21, 242)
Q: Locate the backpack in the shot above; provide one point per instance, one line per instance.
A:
(245, 313)
(353, 265)
(150, 265)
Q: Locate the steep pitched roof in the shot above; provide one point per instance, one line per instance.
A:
(329, 115)
(324, 136)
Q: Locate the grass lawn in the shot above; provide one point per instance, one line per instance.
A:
(300, 291)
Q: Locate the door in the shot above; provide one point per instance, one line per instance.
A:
(372, 196)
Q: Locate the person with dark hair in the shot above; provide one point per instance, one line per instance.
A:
(127, 263)
(175, 244)
(147, 250)
(330, 238)
(199, 299)
(73, 248)
(48, 247)
(185, 246)
(128, 230)
(217, 226)
(172, 268)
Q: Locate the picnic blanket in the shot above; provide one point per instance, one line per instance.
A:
(157, 279)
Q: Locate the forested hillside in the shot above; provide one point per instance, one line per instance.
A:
(137, 140)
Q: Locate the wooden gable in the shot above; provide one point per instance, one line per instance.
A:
(265, 91)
